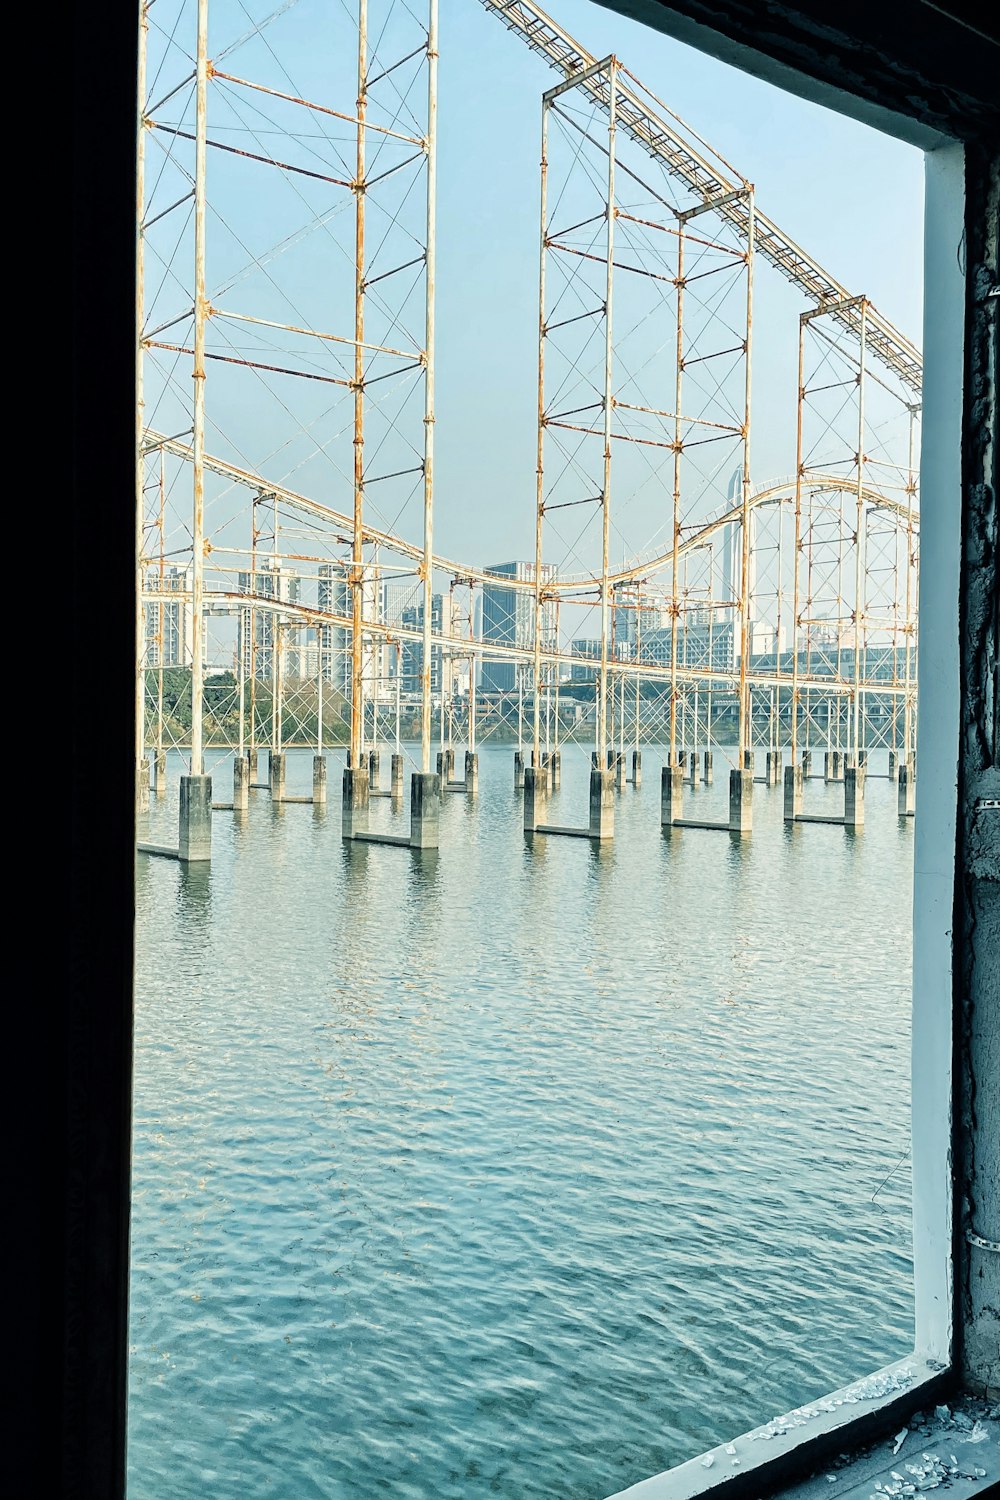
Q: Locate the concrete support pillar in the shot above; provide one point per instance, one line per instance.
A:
(471, 772)
(602, 803)
(373, 771)
(160, 772)
(671, 794)
(518, 770)
(709, 770)
(442, 771)
(319, 779)
(906, 796)
(621, 772)
(741, 800)
(637, 768)
(862, 757)
(252, 764)
(195, 842)
(425, 810)
(772, 768)
(748, 761)
(893, 765)
(807, 762)
(854, 796)
(396, 784)
(535, 783)
(794, 786)
(595, 760)
(694, 768)
(276, 774)
(833, 765)
(142, 785)
(555, 767)
(449, 756)
(682, 758)
(355, 801)
(241, 784)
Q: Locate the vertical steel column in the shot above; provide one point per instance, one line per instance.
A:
(859, 541)
(431, 250)
(745, 724)
(140, 461)
(357, 544)
(909, 622)
(161, 527)
(797, 544)
(198, 412)
(602, 711)
(540, 439)
(678, 448)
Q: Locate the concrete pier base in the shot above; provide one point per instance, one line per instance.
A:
(621, 772)
(807, 763)
(772, 768)
(241, 784)
(555, 769)
(709, 770)
(893, 765)
(471, 772)
(862, 757)
(195, 841)
(373, 771)
(741, 799)
(425, 810)
(602, 804)
(833, 765)
(748, 761)
(442, 771)
(518, 770)
(142, 785)
(319, 780)
(854, 797)
(671, 795)
(694, 768)
(595, 760)
(794, 786)
(354, 801)
(535, 785)
(906, 796)
(276, 775)
(160, 772)
(682, 759)
(637, 768)
(252, 764)
(396, 782)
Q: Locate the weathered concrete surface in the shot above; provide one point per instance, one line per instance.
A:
(354, 801)
(396, 775)
(602, 803)
(374, 762)
(319, 780)
(555, 770)
(637, 768)
(471, 772)
(709, 768)
(195, 841)
(518, 770)
(241, 784)
(906, 791)
(276, 774)
(536, 782)
(794, 787)
(741, 799)
(425, 810)
(142, 785)
(854, 797)
(977, 906)
(160, 772)
(671, 795)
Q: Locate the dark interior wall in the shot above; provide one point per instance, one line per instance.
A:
(907, 58)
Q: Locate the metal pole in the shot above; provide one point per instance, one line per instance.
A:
(678, 448)
(602, 712)
(357, 545)
(160, 614)
(540, 440)
(399, 674)
(198, 414)
(797, 546)
(745, 724)
(140, 462)
(859, 542)
(432, 65)
(319, 690)
(909, 623)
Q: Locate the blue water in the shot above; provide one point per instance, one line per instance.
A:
(523, 1170)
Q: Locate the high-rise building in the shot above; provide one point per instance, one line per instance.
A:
(335, 594)
(258, 628)
(169, 634)
(509, 619)
(412, 651)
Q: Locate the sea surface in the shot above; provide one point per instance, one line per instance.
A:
(527, 1169)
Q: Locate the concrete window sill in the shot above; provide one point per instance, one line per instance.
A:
(830, 1439)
